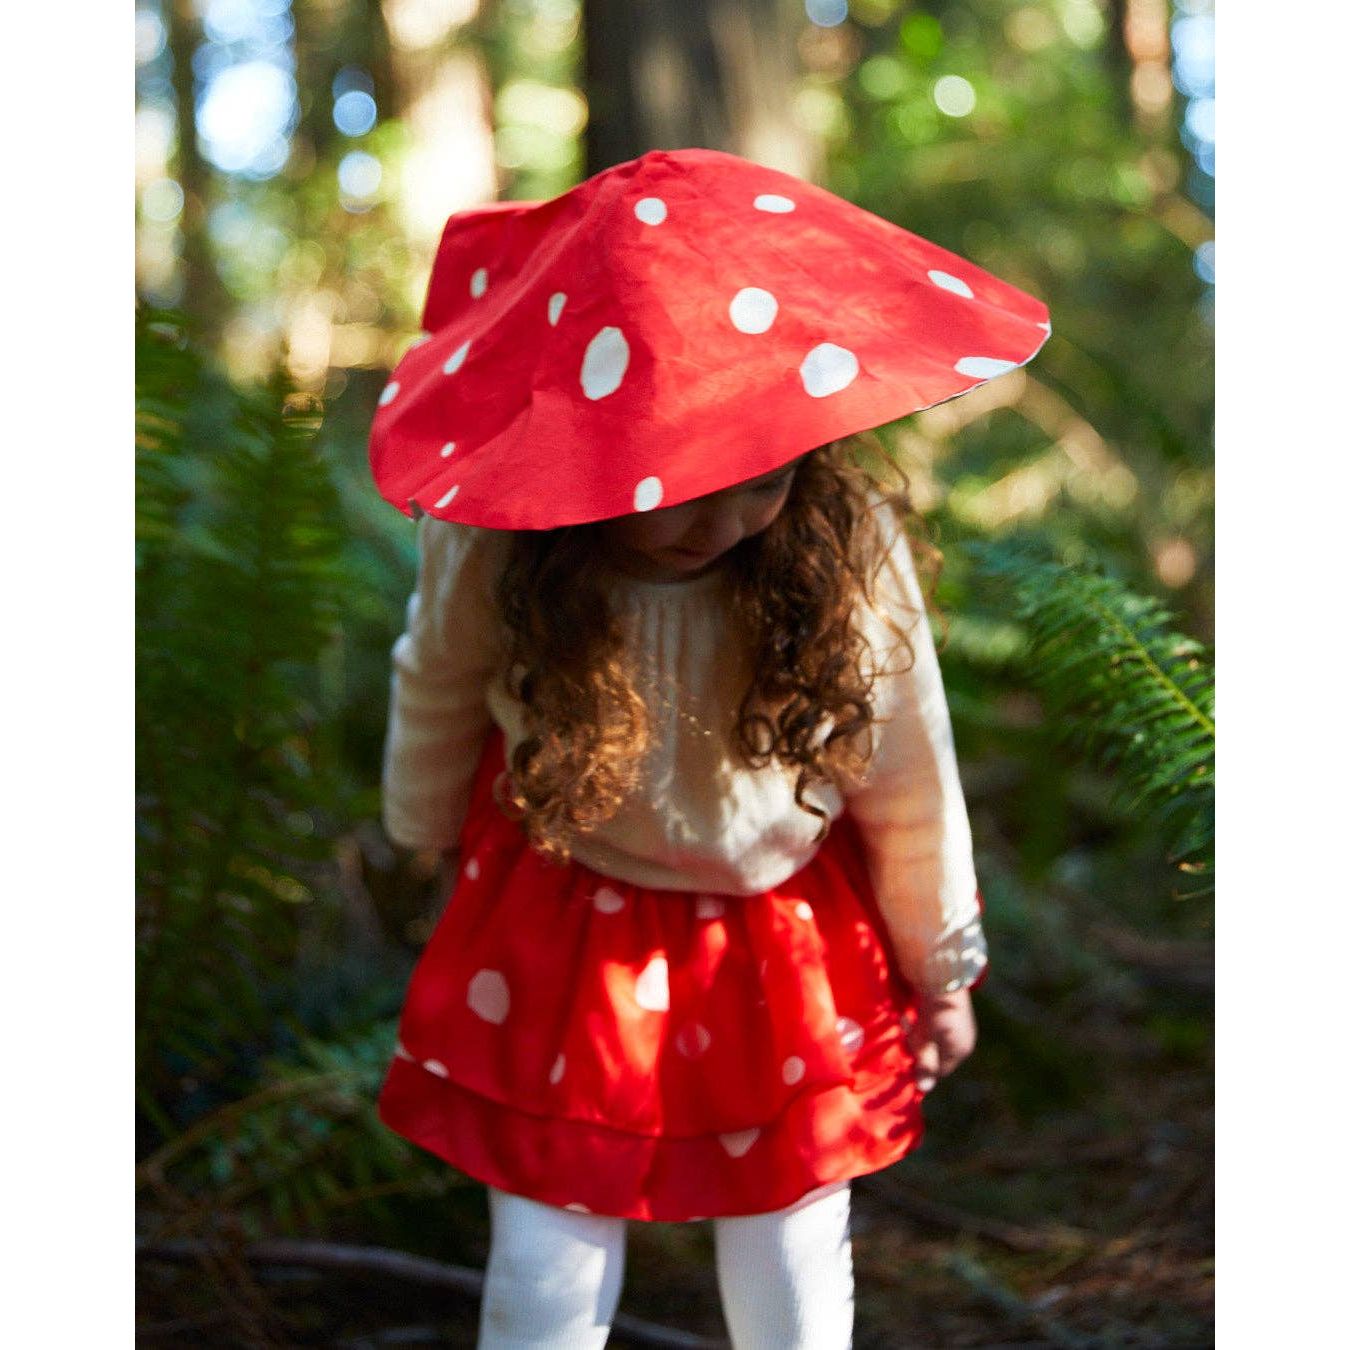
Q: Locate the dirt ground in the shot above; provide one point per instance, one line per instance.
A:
(1084, 1220)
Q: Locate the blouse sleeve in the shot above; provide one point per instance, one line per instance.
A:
(442, 664)
(909, 807)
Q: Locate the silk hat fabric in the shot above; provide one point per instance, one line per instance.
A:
(671, 326)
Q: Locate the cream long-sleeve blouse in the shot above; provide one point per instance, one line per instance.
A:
(700, 820)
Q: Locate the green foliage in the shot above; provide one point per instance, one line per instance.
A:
(1132, 691)
(302, 1150)
(237, 586)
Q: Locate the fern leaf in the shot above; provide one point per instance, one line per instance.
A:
(1125, 686)
(237, 590)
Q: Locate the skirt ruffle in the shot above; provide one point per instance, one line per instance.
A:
(653, 1054)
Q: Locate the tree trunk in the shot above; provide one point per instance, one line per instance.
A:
(665, 74)
(1118, 61)
(204, 299)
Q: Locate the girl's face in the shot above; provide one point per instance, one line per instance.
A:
(676, 542)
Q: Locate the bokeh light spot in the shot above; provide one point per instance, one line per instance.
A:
(1204, 261)
(1030, 29)
(1200, 119)
(1193, 55)
(954, 96)
(921, 35)
(354, 112)
(827, 13)
(150, 36)
(231, 20)
(245, 116)
(530, 103)
(156, 137)
(359, 176)
(881, 77)
(1082, 22)
(352, 77)
(162, 200)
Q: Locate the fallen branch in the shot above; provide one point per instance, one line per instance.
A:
(987, 1286)
(383, 1263)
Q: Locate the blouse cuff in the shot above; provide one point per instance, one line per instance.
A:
(957, 961)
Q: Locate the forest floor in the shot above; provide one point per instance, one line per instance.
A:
(1080, 1216)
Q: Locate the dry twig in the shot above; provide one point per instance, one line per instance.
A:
(382, 1263)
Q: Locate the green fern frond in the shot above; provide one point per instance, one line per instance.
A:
(237, 589)
(305, 1142)
(1127, 688)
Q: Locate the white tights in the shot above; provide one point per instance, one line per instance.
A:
(554, 1276)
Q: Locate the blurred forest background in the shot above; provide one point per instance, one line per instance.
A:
(295, 161)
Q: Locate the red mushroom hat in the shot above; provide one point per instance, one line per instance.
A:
(671, 326)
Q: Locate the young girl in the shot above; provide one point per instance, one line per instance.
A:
(668, 701)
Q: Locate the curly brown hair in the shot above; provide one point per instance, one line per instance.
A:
(797, 587)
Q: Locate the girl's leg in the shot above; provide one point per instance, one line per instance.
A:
(787, 1277)
(553, 1276)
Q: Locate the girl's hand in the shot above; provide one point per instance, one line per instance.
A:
(942, 1036)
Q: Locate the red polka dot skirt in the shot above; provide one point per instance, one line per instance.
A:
(653, 1054)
